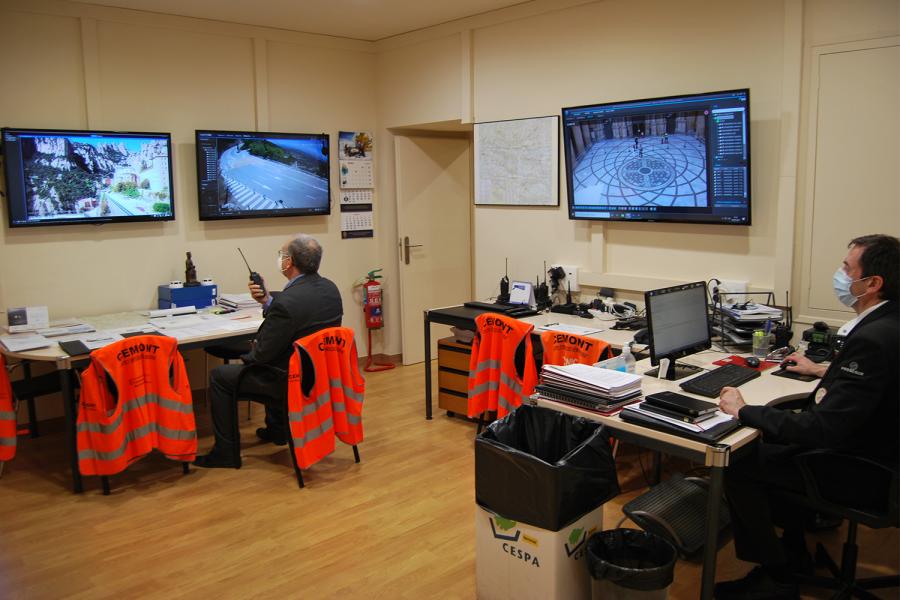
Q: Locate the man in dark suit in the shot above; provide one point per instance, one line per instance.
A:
(308, 303)
(854, 409)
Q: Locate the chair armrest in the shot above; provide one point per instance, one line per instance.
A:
(865, 489)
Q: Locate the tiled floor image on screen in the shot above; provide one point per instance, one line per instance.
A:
(660, 170)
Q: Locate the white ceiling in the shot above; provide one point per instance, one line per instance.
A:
(357, 19)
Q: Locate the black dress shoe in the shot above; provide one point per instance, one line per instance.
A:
(267, 435)
(217, 460)
(758, 584)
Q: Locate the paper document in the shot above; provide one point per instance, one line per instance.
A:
(576, 329)
(170, 312)
(24, 341)
(55, 331)
(704, 425)
(521, 292)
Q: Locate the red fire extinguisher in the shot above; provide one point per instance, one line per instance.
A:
(372, 307)
(372, 301)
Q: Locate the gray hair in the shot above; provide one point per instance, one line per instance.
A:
(306, 253)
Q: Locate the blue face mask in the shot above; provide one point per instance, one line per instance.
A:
(842, 282)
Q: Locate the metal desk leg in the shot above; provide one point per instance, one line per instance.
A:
(717, 457)
(68, 394)
(427, 366)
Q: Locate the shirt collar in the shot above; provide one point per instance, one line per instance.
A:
(847, 327)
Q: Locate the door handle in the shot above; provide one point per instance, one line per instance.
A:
(406, 247)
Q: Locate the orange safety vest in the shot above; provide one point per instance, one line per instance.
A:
(150, 407)
(561, 348)
(325, 394)
(7, 416)
(494, 382)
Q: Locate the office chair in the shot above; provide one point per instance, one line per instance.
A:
(502, 370)
(869, 498)
(228, 353)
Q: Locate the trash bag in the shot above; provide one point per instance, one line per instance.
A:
(543, 467)
(630, 558)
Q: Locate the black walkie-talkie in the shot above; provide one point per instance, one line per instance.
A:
(254, 276)
(504, 286)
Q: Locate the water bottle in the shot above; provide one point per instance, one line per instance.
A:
(628, 358)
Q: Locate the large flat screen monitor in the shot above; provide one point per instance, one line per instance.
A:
(678, 325)
(680, 159)
(246, 174)
(58, 177)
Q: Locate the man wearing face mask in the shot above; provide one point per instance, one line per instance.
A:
(308, 303)
(854, 409)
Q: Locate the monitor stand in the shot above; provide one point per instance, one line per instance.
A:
(676, 371)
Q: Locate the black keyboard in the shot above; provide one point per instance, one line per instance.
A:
(711, 383)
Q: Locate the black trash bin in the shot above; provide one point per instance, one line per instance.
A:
(629, 564)
(541, 478)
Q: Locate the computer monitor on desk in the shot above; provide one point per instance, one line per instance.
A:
(678, 326)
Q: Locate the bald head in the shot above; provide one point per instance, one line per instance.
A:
(305, 253)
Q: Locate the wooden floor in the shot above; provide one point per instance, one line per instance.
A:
(399, 525)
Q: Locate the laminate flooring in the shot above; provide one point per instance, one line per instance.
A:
(399, 525)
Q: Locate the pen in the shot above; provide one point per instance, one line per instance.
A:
(549, 324)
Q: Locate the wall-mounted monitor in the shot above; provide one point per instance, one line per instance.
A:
(246, 174)
(681, 159)
(59, 177)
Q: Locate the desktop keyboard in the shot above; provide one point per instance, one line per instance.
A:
(711, 383)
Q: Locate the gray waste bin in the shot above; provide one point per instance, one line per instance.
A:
(629, 564)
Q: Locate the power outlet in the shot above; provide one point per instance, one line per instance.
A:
(732, 291)
(571, 280)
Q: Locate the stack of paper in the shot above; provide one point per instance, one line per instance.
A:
(753, 312)
(585, 379)
(697, 427)
(20, 342)
(237, 301)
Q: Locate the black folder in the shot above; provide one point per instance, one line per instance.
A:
(707, 437)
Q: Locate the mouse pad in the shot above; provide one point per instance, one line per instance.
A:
(792, 375)
(740, 361)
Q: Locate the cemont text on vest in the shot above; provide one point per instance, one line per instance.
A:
(564, 338)
(136, 349)
(332, 342)
(492, 322)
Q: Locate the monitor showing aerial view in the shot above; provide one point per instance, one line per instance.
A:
(253, 174)
(58, 177)
(679, 159)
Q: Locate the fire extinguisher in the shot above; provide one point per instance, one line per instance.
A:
(372, 301)
(372, 307)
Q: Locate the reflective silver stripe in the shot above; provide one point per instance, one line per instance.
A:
(487, 386)
(354, 419)
(311, 408)
(485, 364)
(313, 433)
(349, 392)
(505, 404)
(7, 415)
(511, 383)
(133, 435)
(4, 441)
(131, 405)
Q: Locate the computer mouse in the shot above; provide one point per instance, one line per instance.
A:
(787, 363)
(752, 362)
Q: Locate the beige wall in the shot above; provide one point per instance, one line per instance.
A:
(86, 67)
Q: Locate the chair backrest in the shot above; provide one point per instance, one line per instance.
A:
(325, 394)
(561, 348)
(7, 416)
(866, 490)
(135, 397)
(501, 370)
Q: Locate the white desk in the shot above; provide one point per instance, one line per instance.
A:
(237, 325)
(765, 389)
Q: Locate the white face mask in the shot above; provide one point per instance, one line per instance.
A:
(279, 261)
(841, 283)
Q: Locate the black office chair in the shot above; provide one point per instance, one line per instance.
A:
(869, 497)
(30, 387)
(228, 353)
(239, 394)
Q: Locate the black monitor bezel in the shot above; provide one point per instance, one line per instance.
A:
(84, 133)
(261, 214)
(570, 195)
(682, 352)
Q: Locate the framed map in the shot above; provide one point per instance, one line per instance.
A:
(517, 162)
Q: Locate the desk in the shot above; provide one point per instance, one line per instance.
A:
(463, 317)
(765, 389)
(240, 325)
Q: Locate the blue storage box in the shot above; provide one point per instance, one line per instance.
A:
(200, 296)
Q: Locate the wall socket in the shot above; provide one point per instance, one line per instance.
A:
(730, 291)
(571, 280)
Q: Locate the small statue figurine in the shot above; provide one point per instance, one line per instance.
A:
(190, 272)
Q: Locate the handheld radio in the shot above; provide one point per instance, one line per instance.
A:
(254, 276)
